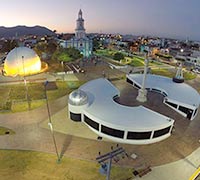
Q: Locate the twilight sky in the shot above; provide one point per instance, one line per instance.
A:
(170, 18)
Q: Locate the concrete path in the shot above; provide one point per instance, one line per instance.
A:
(179, 170)
(31, 136)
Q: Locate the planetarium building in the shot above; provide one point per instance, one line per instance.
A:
(93, 104)
(22, 61)
(181, 97)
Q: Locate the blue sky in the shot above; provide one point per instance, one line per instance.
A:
(171, 18)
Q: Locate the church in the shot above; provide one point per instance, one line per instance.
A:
(80, 41)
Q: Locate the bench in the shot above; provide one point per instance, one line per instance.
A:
(144, 171)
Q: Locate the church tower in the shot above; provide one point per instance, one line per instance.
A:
(80, 30)
(80, 41)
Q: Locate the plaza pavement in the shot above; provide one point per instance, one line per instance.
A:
(179, 170)
(31, 135)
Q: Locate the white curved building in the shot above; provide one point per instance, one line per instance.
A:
(179, 96)
(94, 105)
(22, 61)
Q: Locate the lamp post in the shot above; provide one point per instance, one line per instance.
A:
(50, 122)
(25, 84)
(108, 159)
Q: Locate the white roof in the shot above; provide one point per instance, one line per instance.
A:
(22, 60)
(180, 92)
(103, 109)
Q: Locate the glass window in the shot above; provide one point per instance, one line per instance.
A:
(139, 135)
(91, 123)
(156, 90)
(137, 86)
(171, 104)
(75, 117)
(184, 109)
(129, 81)
(112, 132)
(161, 132)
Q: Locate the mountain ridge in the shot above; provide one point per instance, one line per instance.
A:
(21, 30)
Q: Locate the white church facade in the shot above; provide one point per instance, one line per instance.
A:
(80, 41)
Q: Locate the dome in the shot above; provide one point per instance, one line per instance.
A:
(22, 61)
(78, 97)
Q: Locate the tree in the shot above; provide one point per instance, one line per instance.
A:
(51, 47)
(40, 48)
(118, 56)
(96, 44)
(68, 54)
(8, 45)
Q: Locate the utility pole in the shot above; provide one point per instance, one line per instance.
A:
(106, 160)
(50, 122)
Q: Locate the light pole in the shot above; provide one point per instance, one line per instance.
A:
(25, 84)
(108, 159)
(50, 122)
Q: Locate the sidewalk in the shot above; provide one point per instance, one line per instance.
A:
(179, 170)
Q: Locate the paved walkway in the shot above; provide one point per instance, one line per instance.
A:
(31, 136)
(179, 170)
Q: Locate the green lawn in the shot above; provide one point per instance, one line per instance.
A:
(165, 72)
(106, 52)
(29, 165)
(14, 96)
(189, 76)
(4, 131)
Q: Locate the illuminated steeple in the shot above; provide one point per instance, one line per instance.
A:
(80, 30)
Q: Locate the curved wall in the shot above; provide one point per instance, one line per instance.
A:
(131, 125)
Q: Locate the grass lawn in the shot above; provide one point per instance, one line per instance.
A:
(165, 72)
(136, 62)
(4, 130)
(106, 52)
(16, 94)
(29, 165)
(189, 76)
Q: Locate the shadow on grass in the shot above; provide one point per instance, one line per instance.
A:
(66, 144)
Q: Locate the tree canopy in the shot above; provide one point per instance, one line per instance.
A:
(44, 47)
(8, 45)
(118, 56)
(66, 55)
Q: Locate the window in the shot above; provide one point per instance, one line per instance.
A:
(185, 110)
(139, 135)
(164, 94)
(91, 123)
(171, 104)
(75, 117)
(156, 90)
(161, 132)
(137, 86)
(116, 96)
(129, 81)
(195, 112)
(112, 132)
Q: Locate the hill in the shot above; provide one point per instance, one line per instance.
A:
(9, 32)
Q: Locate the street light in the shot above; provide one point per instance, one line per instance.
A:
(50, 122)
(25, 84)
(106, 159)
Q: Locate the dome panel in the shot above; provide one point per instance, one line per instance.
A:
(78, 98)
(22, 61)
